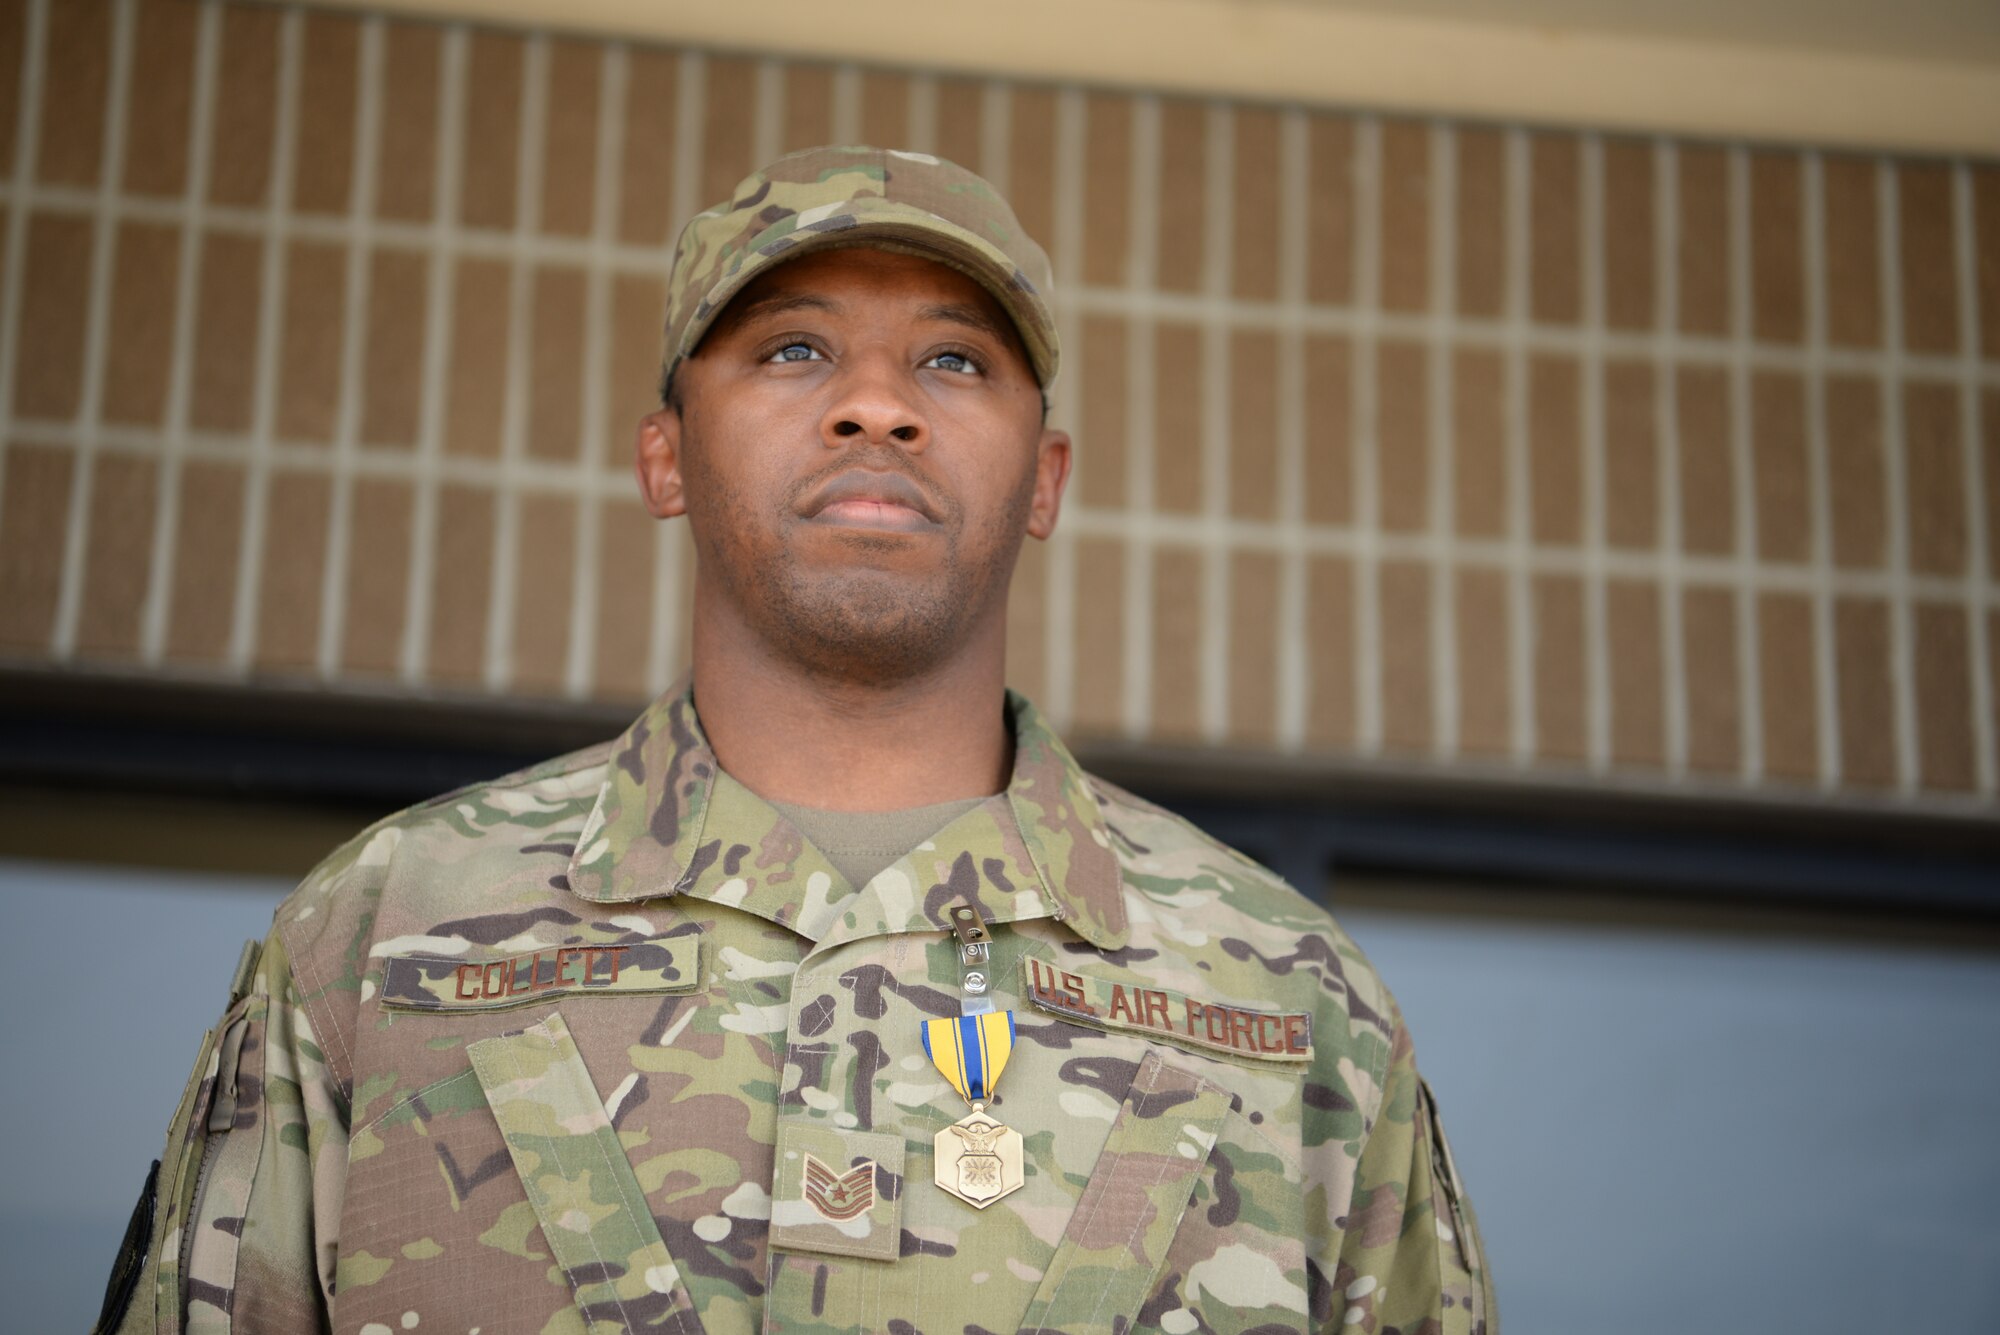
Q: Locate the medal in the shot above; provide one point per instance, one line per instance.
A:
(978, 1159)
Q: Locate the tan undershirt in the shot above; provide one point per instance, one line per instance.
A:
(861, 843)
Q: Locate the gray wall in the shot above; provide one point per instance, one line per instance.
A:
(1663, 1131)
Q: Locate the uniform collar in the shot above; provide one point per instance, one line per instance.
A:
(668, 821)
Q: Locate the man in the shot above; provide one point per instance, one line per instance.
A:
(832, 996)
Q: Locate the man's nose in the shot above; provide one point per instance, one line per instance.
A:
(877, 405)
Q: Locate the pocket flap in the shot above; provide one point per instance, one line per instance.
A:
(592, 1211)
(1132, 1206)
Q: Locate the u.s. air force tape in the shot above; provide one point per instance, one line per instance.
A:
(1158, 1012)
(436, 983)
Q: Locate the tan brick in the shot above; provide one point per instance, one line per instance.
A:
(329, 79)
(1852, 277)
(1027, 622)
(1406, 656)
(309, 357)
(461, 585)
(1031, 167)
(139, 340)
(885, 108)
(1986, 249)
(646, 153)
(475, 396)
(729, 150)
(1555, 231)
(1180, 618)
(1480, 476)
(406, 151)
(490, 143)
(1253, 649)
(377, 581)
(1100, 636)
(808, 106)
(1101, 449)
(569, 138)
(1107, 189)
(1561, 686)
(1329, 455)
(1929, 258)
(1482, 222)
(1330, 209)
(1402, 381)
(1714, 694)
(1406, 215)
(1331, 645)
(208, 550)
(34, 522)
(1945, 754)
(392, 385)
(1704, 240)
(1631, 456)
(1629, 240)
(1256, 203)
(159, 106)
(1866, 699)
(1484, 634)
(1708, 489)
(1183, 200)
(543, 592)
(1177, 417)
(1855, 480)
(555, 354)
(1788, 683)
(76, 83)
(1638, 689)
(118, 555)
(55, 303)
(246, 106)
(1935, 478)
(1555, 449)
(627, 540)
(291, 572)
(1779, 470)
(631, 383)
(1777, 266)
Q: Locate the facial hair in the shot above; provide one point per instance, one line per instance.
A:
(854, 622)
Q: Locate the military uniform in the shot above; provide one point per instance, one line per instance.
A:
(609, 1045)
(556, 1053)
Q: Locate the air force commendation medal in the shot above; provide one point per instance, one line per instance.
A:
(978, 1159)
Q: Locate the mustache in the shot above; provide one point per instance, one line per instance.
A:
(870, 478)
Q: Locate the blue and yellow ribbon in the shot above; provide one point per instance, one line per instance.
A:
(971, 1051)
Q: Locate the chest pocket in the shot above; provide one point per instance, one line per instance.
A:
(1124, 1227)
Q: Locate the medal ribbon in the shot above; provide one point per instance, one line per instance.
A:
(971, 1051)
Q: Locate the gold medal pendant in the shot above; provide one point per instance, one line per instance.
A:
(978, 1159)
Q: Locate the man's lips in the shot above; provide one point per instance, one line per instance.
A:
(863, 499)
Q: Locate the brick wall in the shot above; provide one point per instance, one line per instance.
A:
(1486, 448)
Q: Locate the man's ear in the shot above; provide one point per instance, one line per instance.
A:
(659, 463)
(1052, 459)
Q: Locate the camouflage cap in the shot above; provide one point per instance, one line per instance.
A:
(884, 199)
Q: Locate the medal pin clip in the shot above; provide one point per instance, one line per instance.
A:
(975, 960)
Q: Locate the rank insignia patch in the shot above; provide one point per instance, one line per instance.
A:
(839, 1196)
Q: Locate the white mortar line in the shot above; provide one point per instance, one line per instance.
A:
(1812, 250)
(166, 512)
(1970, 411)
(27, 145)
(1749, 614)
(507, 498)
(1666, 430)
(441, 276)
(335, 587)
(1142, 264)
(594, 425)
(1218, 234)
(1441, 517)
(1059, 609)
(1902, 674)
(270, 319)
(1596, 447)
(1294, 670)
(1366, 446)
(90, 407)
(1520, 544)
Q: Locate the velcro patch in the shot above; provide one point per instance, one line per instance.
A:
(1158, 1012)
(434, 983)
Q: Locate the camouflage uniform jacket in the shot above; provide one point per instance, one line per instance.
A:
(607, 1045)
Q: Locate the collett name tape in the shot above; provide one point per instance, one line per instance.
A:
(1275, 1036)
(438, 983)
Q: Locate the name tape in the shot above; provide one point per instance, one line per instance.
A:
(1273, 1036)
(435, 983)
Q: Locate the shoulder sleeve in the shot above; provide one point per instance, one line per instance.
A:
(1410, 1256)
(239, 1230)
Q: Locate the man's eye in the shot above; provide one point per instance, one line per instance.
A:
(794, 352)
(954, 361)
